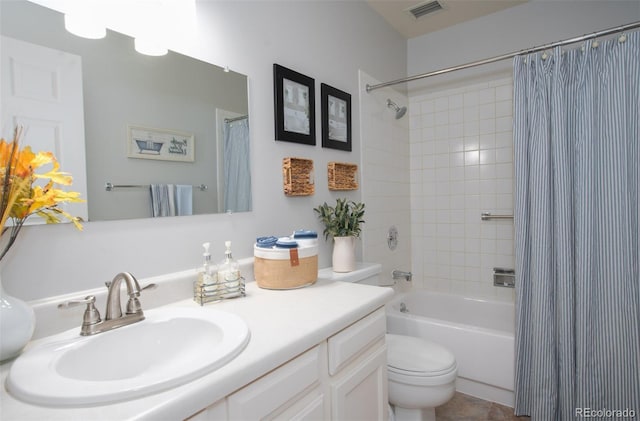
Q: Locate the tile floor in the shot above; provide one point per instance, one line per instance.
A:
(467, 408)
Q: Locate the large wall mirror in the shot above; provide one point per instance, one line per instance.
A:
(163, 122)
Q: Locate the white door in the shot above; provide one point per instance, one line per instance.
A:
(42, 91)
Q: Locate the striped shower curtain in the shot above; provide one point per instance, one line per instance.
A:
(577, 160)
(237, 168)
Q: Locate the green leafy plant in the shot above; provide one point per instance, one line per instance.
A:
(341, 220)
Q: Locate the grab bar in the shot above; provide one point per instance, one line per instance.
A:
(485, 216)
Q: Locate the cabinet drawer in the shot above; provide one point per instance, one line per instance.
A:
(274, 391)
(353, 340)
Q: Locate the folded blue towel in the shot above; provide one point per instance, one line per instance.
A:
(286, 243)
(266, 242)
(305, 234)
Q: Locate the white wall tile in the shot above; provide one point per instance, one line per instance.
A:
(466, 168)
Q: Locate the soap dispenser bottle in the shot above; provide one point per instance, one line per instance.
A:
(207, 283)
(229, 271)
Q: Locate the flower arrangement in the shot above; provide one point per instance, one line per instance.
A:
(21, 197)
(343, 220)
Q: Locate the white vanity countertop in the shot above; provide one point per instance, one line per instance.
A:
(283, 324)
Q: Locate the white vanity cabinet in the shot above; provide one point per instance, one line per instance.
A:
(342, 378)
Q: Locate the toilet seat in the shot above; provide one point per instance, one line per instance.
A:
(418, 361)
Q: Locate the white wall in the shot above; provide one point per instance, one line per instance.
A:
(329, 41)
(461, 140)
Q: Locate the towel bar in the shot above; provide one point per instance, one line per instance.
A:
(110, 187)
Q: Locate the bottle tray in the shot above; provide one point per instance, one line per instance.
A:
(219, 291)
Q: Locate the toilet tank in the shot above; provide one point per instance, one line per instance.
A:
(364, 273)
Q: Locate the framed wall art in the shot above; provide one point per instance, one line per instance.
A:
(336, 118)
(294, 103)
(160, 144)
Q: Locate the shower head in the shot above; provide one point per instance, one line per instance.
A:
(400, 111)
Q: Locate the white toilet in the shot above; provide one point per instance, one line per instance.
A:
(421, 373)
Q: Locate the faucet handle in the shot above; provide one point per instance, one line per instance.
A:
(133, 305)
(149, 286)
(89, 299)
(91, 314)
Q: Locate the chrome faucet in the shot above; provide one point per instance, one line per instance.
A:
(91, 321)
(399, 274)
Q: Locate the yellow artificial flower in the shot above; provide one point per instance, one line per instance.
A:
(21, 198)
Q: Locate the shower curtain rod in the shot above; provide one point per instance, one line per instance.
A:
(602, 33)
(231, 120)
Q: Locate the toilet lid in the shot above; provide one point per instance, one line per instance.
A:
(417, 356)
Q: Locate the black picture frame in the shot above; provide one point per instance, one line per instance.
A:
(336, 118)
(294, 105)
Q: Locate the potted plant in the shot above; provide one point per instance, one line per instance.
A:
(25, 192)
(342, 222)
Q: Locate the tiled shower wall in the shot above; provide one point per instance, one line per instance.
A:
(385, 178)
(461, 148)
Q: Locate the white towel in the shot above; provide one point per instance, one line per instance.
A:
(184, 199)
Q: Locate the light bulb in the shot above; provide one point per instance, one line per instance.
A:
(149, 47)
(84, 26)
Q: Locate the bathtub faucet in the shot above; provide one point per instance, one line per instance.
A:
(398, 274)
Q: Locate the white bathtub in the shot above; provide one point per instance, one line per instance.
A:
(478, 332)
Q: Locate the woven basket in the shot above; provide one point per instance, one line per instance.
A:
(279, 274)
(342, 176)
(277, 268)
(297, 174)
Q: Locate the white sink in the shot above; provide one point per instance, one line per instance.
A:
(172, 346)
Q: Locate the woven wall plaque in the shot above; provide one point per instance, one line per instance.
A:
(342, 176)
(297, 174)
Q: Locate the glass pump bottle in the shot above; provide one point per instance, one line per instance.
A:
(229, 270)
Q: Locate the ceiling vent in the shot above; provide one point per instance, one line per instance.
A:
(424, 9)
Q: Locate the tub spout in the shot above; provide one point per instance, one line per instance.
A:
(399, 274)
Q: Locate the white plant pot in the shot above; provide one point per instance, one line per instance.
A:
(17, 322)
(344, 254)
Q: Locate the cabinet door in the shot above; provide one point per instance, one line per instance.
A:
(290, 391)
(360, 393)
